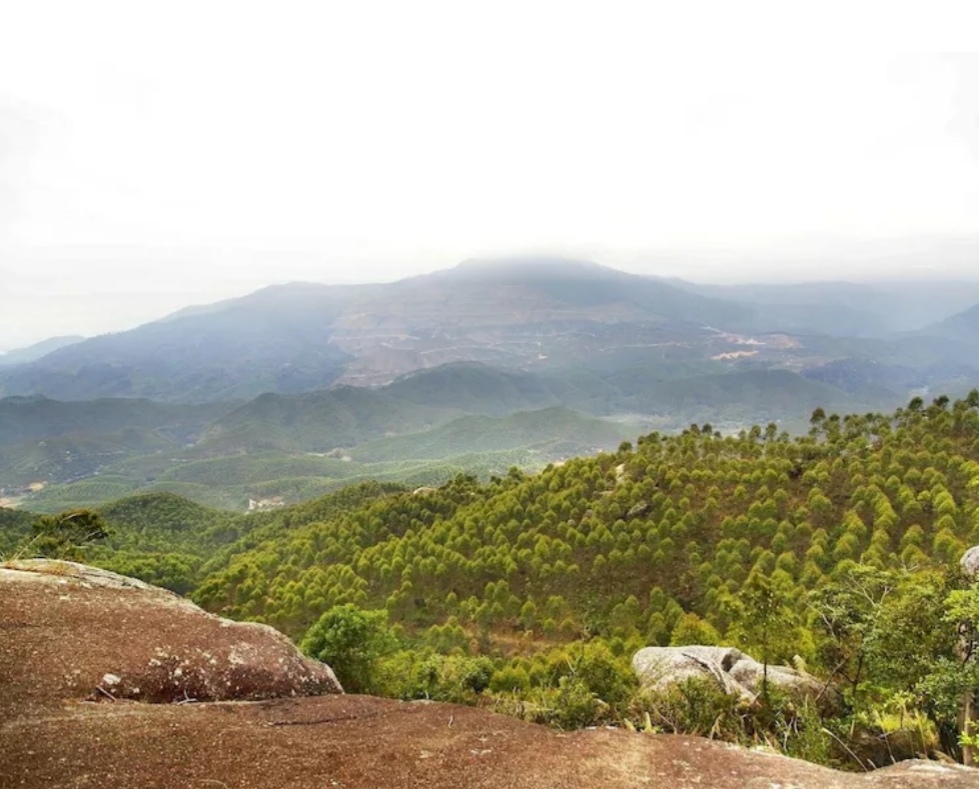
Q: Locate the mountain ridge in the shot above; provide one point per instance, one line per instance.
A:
(526, 313)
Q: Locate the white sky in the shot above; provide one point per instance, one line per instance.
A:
(155, 154)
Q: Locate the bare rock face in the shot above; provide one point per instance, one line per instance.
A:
(731, 669)
(119, 638)
(970, 562)
(67, 629)
(660, 667)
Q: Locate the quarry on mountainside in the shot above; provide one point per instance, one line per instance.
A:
(77, 642)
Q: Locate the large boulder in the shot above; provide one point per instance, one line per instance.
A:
(751, 674)
(970, 562)
(730, 669)
(120, 638)
(660, 667)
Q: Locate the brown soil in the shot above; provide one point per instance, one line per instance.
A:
(59, 636)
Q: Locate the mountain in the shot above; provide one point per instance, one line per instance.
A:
(24, 419)
(44, 440)
(279, 339)
(962, 327)
(742, 396)
(528, 313)
(544, 315)
(316, 421)
(555, 431)
(844, 309)
(33, 352)
(475, 388)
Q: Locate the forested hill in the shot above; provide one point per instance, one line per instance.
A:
(837, 550)
(621, 544)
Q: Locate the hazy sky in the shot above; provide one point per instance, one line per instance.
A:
(159, 154)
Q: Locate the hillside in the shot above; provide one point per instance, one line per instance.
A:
(37, 350)
(963, 327)
(845, 309)
(276, 340)
(316, 422)
(25, 419)
(414, 430)
(303, 337)
(557, 578)
(44, 442)
(474, 388)
(552, 431)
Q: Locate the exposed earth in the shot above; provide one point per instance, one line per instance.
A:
(77, 648)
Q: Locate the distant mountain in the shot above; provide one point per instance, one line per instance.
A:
(555, 431)
(34, 352)
(306, 368)
(26, 419)
(474, 388)
(316, 421)
(963, 327)
(433, 400)
(279, 339)
(423, 427)
(528, 313)
(868, 379)
(844, 309)
(44, 440)
(745, 396)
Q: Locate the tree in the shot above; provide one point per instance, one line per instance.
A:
(691, 629)
(351, 640)
(766, 619)
(67, 534)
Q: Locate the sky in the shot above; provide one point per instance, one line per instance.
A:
(154, 155)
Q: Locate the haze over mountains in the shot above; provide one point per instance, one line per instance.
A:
(535, 314)
(37, 350)
(408, 373)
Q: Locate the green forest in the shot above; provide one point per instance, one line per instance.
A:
(836, 552)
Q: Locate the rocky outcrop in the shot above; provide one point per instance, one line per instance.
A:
(64, 628)
(970, 562)
(119, 638)
(730, 669)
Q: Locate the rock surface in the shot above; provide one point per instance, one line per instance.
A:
(71, 631)
(730, 669)
(62, 633)
(970, 562)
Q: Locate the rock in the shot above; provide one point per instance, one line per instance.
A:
(730, 669)
(750, 673)
(970, 562)
(62, 633)
(120, 638)
(660, 667)
(638, 510)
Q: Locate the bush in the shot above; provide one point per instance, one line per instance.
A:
(429, 675)
(575, 705)
(351, 640)
(695, 706)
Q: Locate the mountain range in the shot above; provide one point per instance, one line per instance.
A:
(299, 388)
(538, 314)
